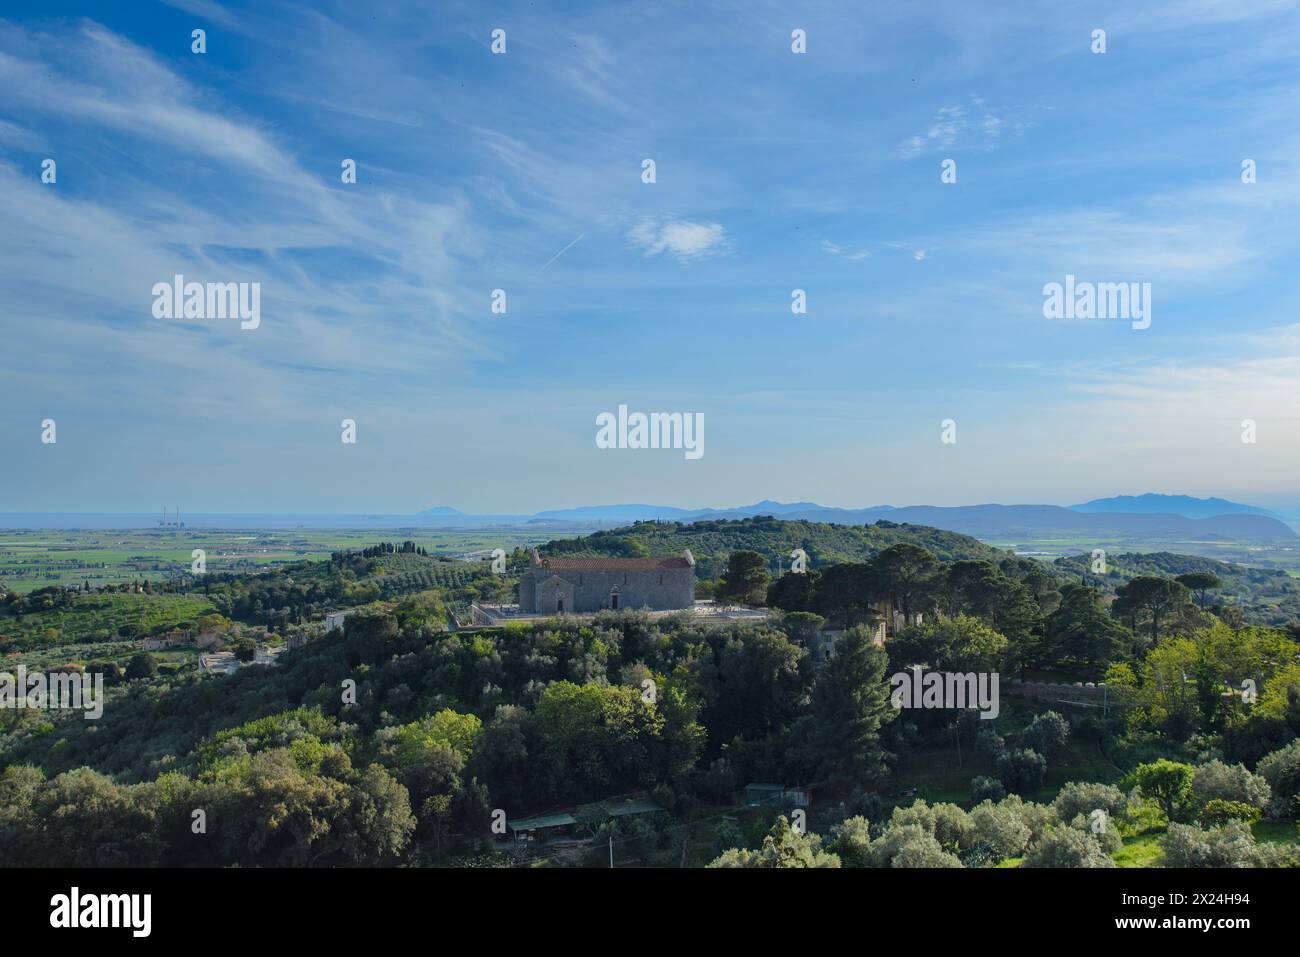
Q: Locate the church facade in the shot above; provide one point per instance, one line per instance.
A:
(558, 585)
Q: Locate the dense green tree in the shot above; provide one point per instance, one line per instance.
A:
(759, 687)
(782, 847)
(793, 591)
(959, 644)
(142, 665)
(802, 627)
(1199, 582)
(746, 579)
(850, 703)
(1022, 770)
(846, 592)
(1149, 595)
(1168, 783)
(1081, 633)
(907, 574)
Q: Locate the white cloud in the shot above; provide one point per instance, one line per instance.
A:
(845, 252)
(974, 125)
(679, 237)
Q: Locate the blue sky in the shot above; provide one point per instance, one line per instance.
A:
(775, 171)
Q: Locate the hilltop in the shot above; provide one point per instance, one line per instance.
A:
(712, 541)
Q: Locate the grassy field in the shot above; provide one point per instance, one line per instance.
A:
(32, 559)
(1280, 556)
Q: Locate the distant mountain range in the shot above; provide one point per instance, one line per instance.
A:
(1183, 505)
(1151, 515)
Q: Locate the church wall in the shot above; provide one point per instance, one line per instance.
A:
(657, 589)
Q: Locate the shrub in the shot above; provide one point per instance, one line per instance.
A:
(979, 854)
(851, 841)
(1281, 769)
(1022, 770)
(924, 852)
(885, 848)
(986, 789)
(952, 827)
(918, 813)
(1229, 846)
(1098, 825)
(989, 743)
(1217, 781)
(142, 665)
(1037, 817)
(1082, 797)
(1219, 812)
(1047, 733)
(1067, 847)
(1000, 828)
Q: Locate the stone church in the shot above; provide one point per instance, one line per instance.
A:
(558, 585)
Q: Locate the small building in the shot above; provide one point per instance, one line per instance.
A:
(335, 619)
(552, 828)
(776, 795)
(559, 585)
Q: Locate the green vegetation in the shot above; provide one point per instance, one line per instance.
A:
(63, 618)
(711, 543)
(394, 740)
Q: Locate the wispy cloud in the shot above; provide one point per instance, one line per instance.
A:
(680, 238)
(970, 125)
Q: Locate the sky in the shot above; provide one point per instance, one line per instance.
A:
(523, 171)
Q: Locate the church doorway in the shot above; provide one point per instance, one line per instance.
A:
(559, 605)
(613, 598)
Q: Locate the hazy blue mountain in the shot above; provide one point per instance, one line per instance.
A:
(442, 510)
(1035, 521)
(984, 521)
(1184, 505)
(615, 513)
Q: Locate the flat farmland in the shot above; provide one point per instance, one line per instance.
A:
(37, 558)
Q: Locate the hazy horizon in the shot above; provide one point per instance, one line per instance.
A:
(420, 513)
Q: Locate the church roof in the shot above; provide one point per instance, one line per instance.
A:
(615, 564)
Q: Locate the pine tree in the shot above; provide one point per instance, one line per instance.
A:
(850, 704)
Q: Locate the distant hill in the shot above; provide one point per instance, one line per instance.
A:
(1184, 505)
(985, 521)
(1266, 596)
(442, 510)
(1036, 521)
(613, 513)
(648, 513)
(712, 541)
